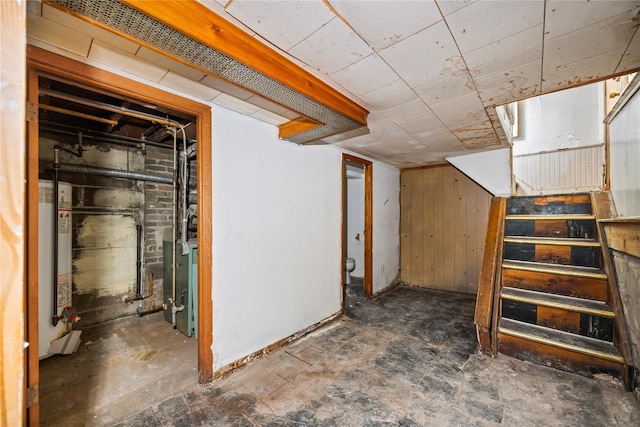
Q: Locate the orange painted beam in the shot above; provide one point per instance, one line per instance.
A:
(202, 24)
(296, 126)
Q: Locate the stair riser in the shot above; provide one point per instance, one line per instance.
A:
(553, 254)
(579, 287)
(578, 229)
(577, 204)
(558, 358)
(564, 320)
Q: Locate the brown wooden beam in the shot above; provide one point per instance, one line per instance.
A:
(296, 126)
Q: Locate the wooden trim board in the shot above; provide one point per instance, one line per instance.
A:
(48, 63)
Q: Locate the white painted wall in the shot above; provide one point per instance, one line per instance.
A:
(386, 225)
(355, 223)
(489, 169)
(624, 135)
(565, 119)
(277, 225)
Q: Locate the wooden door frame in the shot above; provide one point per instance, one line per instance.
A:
(368, 221)
(42, 62)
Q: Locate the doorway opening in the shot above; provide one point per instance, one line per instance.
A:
(357, 233)
(133, 167)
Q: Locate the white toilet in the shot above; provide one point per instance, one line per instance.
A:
(349, 266)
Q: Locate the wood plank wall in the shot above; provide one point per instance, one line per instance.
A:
(443, 222)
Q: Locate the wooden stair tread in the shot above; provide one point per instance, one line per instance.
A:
(579, 305)
(553, 241)
(560, 339)
(563, 217)
(565, 270)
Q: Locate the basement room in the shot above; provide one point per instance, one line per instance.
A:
(320, 213)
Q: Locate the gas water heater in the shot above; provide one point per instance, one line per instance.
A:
(47, 286)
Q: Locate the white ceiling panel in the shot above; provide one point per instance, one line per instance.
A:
(447, 7)
(508, 53)
(425, 56)
(58, 35)
(463, 112)
(603, 37)
(113, 57)
(365, 75)
(505, 86)
(388, 96)
(631, 57)
(236, 104)
(384, 23)
(226, 87)
(487, 21)
(184, 84)
(590, 69)
(166, 62)
(413, 117)
(584, 13)
(281, 22)
(449, 86)
(333, 47)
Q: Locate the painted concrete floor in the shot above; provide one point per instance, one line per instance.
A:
(405, 359)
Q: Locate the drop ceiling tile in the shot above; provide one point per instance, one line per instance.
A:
(463, 112)
(449, 86)
(586, 70)
(69, 21)
(283, 23)
(226, 87)
(447, 7)
(477, 138)
(486, 22)
(508, 53)
(631, 58)
(413, 116)
(183, 84)
(235, 104)
(425, 56)
(116, 58)
(365, 75)
(171, 64)
(391, 95)
(510, 85)
(438, 139)
(269, 117)
(55, 34)
(564, 16)
(587, 42)
(331, 48)
(401, 19)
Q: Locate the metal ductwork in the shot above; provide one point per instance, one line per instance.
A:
(147, 30)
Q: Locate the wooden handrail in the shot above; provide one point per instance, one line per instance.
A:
(488, 284)
(603, 208)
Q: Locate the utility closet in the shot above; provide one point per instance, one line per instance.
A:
(120, 238)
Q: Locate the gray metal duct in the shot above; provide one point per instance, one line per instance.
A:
(115, 173)
(154, 33)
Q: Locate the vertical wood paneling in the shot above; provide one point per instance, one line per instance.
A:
(405, 226)
(443, 224)
(427, 236)
(438, 232)
(448, 228)
(417, 229)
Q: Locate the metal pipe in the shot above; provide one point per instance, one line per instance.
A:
(116, 173)
(56, 170)
(77, 114)
(139, 260)
(105, 137)
(154, 308)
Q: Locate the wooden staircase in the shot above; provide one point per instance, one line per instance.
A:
(551, 299)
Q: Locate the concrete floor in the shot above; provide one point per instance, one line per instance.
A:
(405, 359)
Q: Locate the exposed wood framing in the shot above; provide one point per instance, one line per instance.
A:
(60, 67)
(491, 264)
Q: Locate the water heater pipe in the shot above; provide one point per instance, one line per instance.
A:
(116, 173)
(56, 170)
